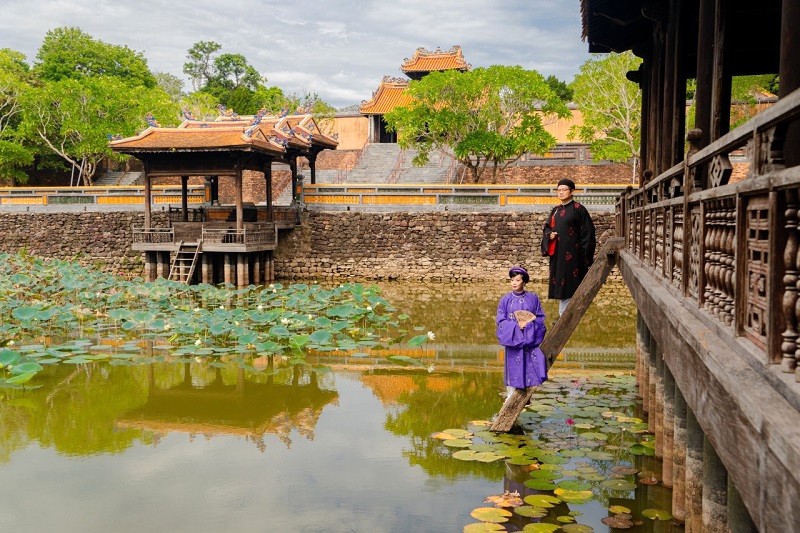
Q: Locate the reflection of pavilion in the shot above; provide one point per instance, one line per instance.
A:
(244, 409)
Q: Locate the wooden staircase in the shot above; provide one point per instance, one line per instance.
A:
(185, 261)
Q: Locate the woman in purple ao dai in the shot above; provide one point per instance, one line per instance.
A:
(525, 364)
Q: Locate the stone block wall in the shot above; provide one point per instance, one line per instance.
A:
(101, 239)
(435, 246)
(347, 245)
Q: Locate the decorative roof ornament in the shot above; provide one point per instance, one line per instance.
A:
(255, 122)
(225, 113)
(187, 114)
(151, 120)
(280, 140)
(284, 112)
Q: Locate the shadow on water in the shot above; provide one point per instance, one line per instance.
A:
(207, 445)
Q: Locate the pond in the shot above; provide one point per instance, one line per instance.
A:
(350, 440)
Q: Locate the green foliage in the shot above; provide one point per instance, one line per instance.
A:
(561, 89)
(74, 117)
(13, 156)
(611, 107)
(69, 53)
(170, 84)
(199, 66)
(486, 116)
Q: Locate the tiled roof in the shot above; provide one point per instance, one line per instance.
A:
(197, 139)
(270, 134)
(429, 61)
(390, 94)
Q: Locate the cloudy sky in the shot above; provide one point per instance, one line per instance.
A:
(339, 49)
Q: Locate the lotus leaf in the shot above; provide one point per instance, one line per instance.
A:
(531, 511)
(618, 509)
(565, 519)
(618, 484)
(657, 514)
(491, 514)
(576, 528)
(541, 527)
(482, 527)
(541, 500)
(539, 484)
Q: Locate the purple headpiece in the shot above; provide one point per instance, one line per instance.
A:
(521, 271)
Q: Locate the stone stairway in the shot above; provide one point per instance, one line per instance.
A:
(112, 178)
(387, 163)
(434, 171)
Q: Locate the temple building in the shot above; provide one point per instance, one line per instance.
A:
(230, 243)
(391, 92)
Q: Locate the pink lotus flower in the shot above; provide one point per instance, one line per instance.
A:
(570, 421)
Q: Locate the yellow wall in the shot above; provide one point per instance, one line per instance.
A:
(352, 130)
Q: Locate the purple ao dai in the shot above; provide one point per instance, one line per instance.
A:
(525, 364)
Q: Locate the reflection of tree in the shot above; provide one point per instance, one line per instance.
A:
(214, 399)
(465, 313)
(73, 410)
(101, 408)
(425, 410)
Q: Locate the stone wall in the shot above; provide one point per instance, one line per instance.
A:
(437, 246)
(101, 239)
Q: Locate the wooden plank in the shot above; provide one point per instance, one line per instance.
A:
(557, 337)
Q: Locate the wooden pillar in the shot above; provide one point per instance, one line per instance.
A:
(208, 186)
(789, 73)
(668, 449)
(257, 270)
(241, 270)
(271, 266)
(721, 78)
(150, 271)
(679, 458)
(312, 165)
(214, 180)
(715, 491)
(268, 184)
(147, 197)
(185, 198)
(162, 264)
(206, 268)
(228, 269)
(739, 520)
(293, 169)
(694, 474)
(658, 412)
(652, 380)
(239, 202)
(644, 143)
(668, 90)
(705, 81)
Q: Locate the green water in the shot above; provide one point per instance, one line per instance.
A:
(202, 445)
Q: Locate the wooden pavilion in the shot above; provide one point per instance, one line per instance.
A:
(232, 243)
(391, 92)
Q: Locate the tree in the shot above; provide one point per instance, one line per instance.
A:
(170, 84)
(75, 117)
(71, 53)
(561, 89)
(486, 116)
(611, 107)
(199, 68)
(14, 79)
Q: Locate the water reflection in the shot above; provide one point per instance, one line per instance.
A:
(209, 445)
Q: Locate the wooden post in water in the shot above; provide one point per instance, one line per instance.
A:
(557, 337)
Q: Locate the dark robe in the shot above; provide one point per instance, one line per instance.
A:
(574, 252)
(525, 365)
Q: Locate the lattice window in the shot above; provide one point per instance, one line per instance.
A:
(757, 270)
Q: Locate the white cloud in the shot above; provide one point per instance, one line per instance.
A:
(339, 49)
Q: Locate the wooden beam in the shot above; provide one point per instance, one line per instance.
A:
(557, 337)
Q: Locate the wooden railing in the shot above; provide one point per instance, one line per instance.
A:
(453, 195)
(116, 195)
(731, 247)
(153, 235)
(260, 233)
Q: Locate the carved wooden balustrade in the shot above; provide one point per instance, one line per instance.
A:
(729, 247)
